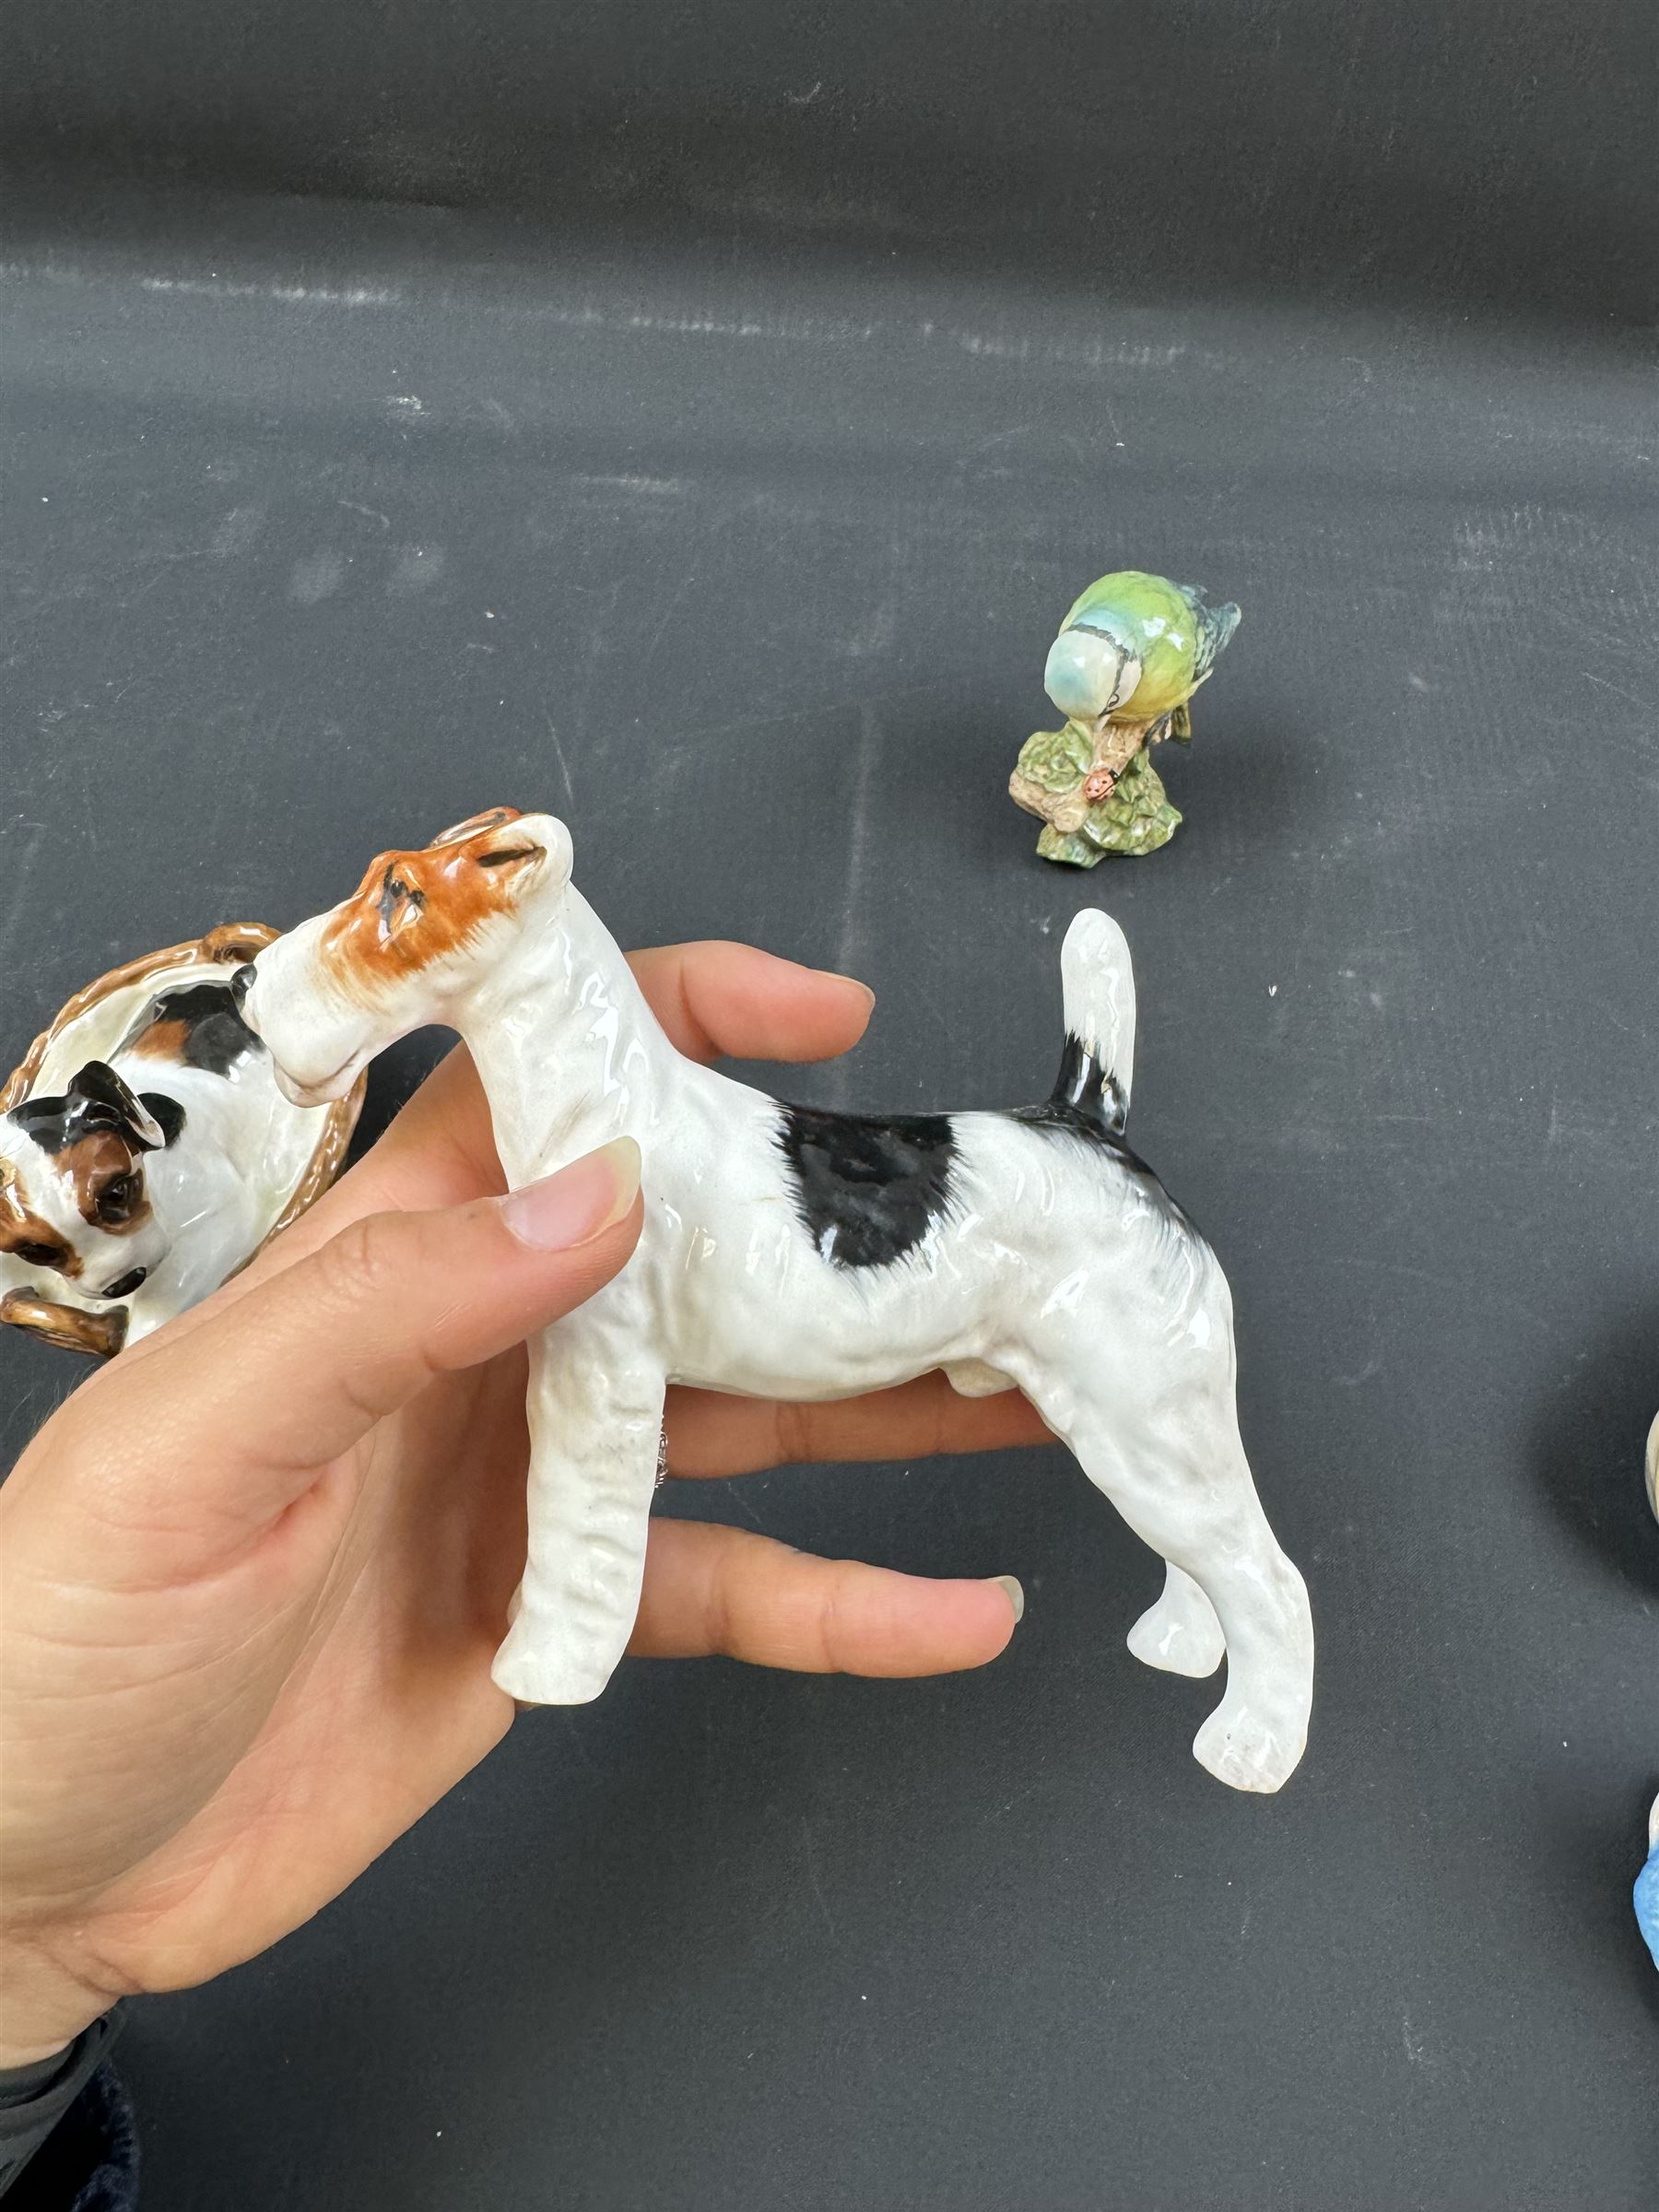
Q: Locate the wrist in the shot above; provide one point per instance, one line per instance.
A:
(35, 2101)
(42, 2009)
(26, 2040)
(15, 2053)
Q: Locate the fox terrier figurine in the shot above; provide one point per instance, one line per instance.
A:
(790, 1252)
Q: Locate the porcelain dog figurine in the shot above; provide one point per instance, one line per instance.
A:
(146, 1151)
(789, 1252)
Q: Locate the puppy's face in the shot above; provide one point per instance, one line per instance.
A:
(73, 1200)
(421, 930)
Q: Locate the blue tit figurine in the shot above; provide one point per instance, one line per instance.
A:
(1130, 654)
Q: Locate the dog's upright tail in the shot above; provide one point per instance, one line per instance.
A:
(1098, 977)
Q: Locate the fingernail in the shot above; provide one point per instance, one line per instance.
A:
(852, 983)
(1012, 1591)
(580, 1203)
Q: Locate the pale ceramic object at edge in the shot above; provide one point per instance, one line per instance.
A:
(185, 1201)
(800, 1255)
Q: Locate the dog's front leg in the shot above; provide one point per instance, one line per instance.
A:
(595, 1415)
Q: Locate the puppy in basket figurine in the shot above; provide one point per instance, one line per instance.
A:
(145, 1152)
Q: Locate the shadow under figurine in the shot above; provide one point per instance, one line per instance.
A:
(1129, 656)
(792, 1253)
(145, 1152)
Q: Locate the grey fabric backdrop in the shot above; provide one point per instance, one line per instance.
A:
(736, 527)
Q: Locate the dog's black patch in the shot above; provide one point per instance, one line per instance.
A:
(204, 1028)
(167, 1113)
(1087, 1100)
(867, 1191)
(97, 1098)
(48, 1121)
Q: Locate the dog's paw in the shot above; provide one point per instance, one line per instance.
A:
(536, 1672)
(1242, 1747)
(1180, 1633)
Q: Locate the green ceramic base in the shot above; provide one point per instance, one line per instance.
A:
(1136, 817)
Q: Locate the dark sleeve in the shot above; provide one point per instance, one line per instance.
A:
(67, 2142)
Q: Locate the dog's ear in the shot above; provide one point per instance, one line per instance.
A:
(524, 849)
(475, 824)
(98, 1099)
(167, 1113)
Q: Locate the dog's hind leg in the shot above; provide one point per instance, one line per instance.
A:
(595, 1423)
(1180, 1633)
(1182, 1483)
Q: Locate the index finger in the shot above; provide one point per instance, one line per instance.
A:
(713, 998)
(709, 1589)
(712, 1434)
(716, 998)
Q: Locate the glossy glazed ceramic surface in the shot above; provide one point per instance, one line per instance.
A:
(808, 1255)
(145, 1136)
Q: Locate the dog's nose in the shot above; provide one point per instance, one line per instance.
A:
(241, 982)
(123, 1285)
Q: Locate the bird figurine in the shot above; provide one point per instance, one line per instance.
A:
(1129, 656)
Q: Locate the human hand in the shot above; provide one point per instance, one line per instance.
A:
(254, 1572)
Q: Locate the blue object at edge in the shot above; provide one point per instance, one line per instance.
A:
(1647, 1902)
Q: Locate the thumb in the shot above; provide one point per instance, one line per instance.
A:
(227, 1428)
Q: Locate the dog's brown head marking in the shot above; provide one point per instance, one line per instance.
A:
(94, 1136)
(26, 1236)
(413, 908)
(106, 1181)
(161, 1041)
